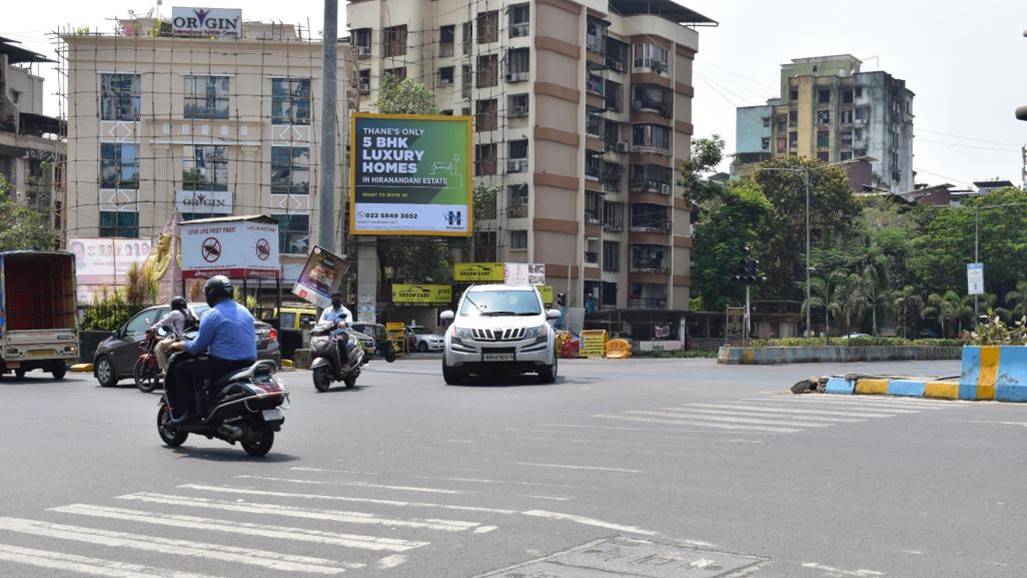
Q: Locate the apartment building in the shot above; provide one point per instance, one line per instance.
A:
(830, 110)
(160, 123)
(31, 149)
(582, 114)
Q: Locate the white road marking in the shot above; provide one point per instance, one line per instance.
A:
(295, 512)
(262, 558)
(831, 571)
(588, 522)
(710, 425)
(742, 420)
(501, 482)
(838, 405)
(1019, 423)
(613, 427)
(803, 412)
(370, 485)
(85, 564)
(485, 529)
(758, 413)
(877, 402)
(391, 561)
(359, 541)
(400, 503)
(554, 498)
(570, 467)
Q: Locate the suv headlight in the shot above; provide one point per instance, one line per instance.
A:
(462, 332)
(533, 332)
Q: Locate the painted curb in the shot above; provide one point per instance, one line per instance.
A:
(82, 368)
(728, 355)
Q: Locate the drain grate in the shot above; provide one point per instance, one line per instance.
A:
(632, 557)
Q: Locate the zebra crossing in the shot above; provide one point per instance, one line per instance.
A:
(234, 530)
(776, 414)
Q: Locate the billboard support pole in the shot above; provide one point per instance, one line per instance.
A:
(326, 188)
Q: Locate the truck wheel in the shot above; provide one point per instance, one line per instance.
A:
(450, 375)
(58, 370)
(105, 372)
(322, 378)
(19, 373)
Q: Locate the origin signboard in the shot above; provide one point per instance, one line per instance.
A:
(207, 22)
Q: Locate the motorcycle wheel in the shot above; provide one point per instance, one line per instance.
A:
(146, 378)
(19, 373)
(390, 353)
(350, 380)
(168, 434)
(322, 378)
(261, 442)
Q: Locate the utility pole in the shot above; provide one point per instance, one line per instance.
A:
(977, 256)
(329, 67)
(809, 316)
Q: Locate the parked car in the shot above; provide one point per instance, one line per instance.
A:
(115, 357)
(383, 346)
(422, 339)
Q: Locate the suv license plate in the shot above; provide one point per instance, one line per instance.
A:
(497, 356)
(272, 414)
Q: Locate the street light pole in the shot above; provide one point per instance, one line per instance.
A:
(809, 326)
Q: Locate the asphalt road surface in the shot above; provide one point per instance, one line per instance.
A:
(651, 468)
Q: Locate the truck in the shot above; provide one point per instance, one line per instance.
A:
(38, 328)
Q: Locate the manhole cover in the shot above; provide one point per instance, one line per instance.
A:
(630, 557)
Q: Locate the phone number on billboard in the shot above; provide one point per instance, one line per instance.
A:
(389, 215)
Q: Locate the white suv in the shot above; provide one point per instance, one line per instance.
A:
(499, 329)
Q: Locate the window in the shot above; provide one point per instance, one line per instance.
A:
(652, 136)
(765, 143)
(611, 134)
(845, 116)
(465, 111)
(766, 122)
(824, 116)
(651, 56)
(447, 39)
(823, 139)
(395, 40)
(467, 31)
(399, 73)
(616, 54)
(486, 115)
(651, 178)
(847, 96)
(823, 156)
(648, 258)
(488, 70)
(518, 239)
(595, 35)
(520, 15)
(846, 155)
(141, 322)
(517, 64)
(793, 139)
(823, 96)
(119, 166)
(293, 233)
(648, 97)
(793, 116)
(206, 97)
(119, 224)
(119, 96)
(364, 81)
(465, 81)
(290, 101)
(862, 113)
(205, 168)
(614, 96)
(290, 170)
(447, 112)
(518, 149)
(613, 217)
(446, 75)
(518, 105)
(649, 217)
(488, 27)
(859, 92)
(362, 41)
(484, 159)
(593, 125)
(611, 255)
(517, 201)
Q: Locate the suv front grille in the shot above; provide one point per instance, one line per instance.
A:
(515, 334)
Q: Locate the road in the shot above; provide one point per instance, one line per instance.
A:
(651, 468)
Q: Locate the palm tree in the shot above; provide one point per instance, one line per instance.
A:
(1016, 301)
(943, 308)
(820, 297)
(906, 301)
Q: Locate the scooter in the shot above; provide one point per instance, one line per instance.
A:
(244, 405)
(327, 367)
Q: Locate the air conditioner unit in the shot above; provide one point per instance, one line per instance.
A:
(516, 76)
(519, 110)
(621, 147)
(517, 165)
(518, 30)
(665, 189)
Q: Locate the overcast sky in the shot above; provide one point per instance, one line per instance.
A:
(967, 63)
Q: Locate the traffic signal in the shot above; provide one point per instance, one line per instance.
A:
(748, 270)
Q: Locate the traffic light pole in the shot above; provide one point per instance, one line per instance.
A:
(748, 317)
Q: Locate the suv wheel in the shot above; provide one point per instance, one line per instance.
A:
(105, 372)
(548, 374)
(451, 375)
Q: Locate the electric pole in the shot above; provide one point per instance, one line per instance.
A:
(329, 67)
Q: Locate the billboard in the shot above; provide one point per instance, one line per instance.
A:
(479, 272)
(975, 278)
(321, 277)
(525, 274)
(421, 294)
(411, 175)
(104, 262)
(206, 22)
(236, 248)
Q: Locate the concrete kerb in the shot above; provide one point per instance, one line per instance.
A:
(988, 373)
(729, 355)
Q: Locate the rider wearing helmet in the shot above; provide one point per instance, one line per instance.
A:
(174, 322)
(226, 338)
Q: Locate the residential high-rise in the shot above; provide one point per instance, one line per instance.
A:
(830, 110)
(582, 116)
(203, 126)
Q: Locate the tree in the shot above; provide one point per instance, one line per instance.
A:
(405, 96)
(706, 155)
(1016, 301)
(906, 302)
(20, 227)
(945, 307)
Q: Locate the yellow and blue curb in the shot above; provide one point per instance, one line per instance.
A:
(988, 373)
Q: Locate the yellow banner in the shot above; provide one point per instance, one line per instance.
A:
(395, 326)
(593, 343)
(547, 293)
(421, 293)
(478, 272)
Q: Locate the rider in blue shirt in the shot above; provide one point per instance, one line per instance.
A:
(226, 336)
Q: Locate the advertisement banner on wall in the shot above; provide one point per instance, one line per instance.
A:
(104, 262)
(411, 175)
(479, 272)
(421, 294)
(203, 202)
(206, 22)
(233, 247)
(321, 277)
(525, 274)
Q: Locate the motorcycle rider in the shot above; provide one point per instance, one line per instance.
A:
(334, 315)
(175, 320)
(226, 335)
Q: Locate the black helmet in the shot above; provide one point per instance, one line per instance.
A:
(178, 302)
(217, 288)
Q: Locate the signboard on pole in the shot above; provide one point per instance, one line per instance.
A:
(234, 246)
(975, 278)
(525, 274)
(206, 22)
(321, 277)
(411, 175)
(479, 272)
(421, 294)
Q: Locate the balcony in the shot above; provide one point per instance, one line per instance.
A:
(593, 167)
(592, 217)
(613, 226)
(519, 211)
(516, 166)
(648, 266)
(648, 303)
(595, 43)
(650, 186)
(650, 105)
(596, 85)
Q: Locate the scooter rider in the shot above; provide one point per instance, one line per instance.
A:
(336, 314)
(226, 335)
(175, 320)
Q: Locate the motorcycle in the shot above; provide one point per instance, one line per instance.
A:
(325, 341)
(244, 405)
(146, 371)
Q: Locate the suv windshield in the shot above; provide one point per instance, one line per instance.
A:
(500, 303)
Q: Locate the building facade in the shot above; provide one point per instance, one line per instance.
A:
(31, 148)
(830, 110)
(582, 117)
(160, 124)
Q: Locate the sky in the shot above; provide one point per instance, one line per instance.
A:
(965, 62)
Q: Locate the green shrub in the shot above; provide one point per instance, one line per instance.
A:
(108, 312)
(691, 354)
(993, 331)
